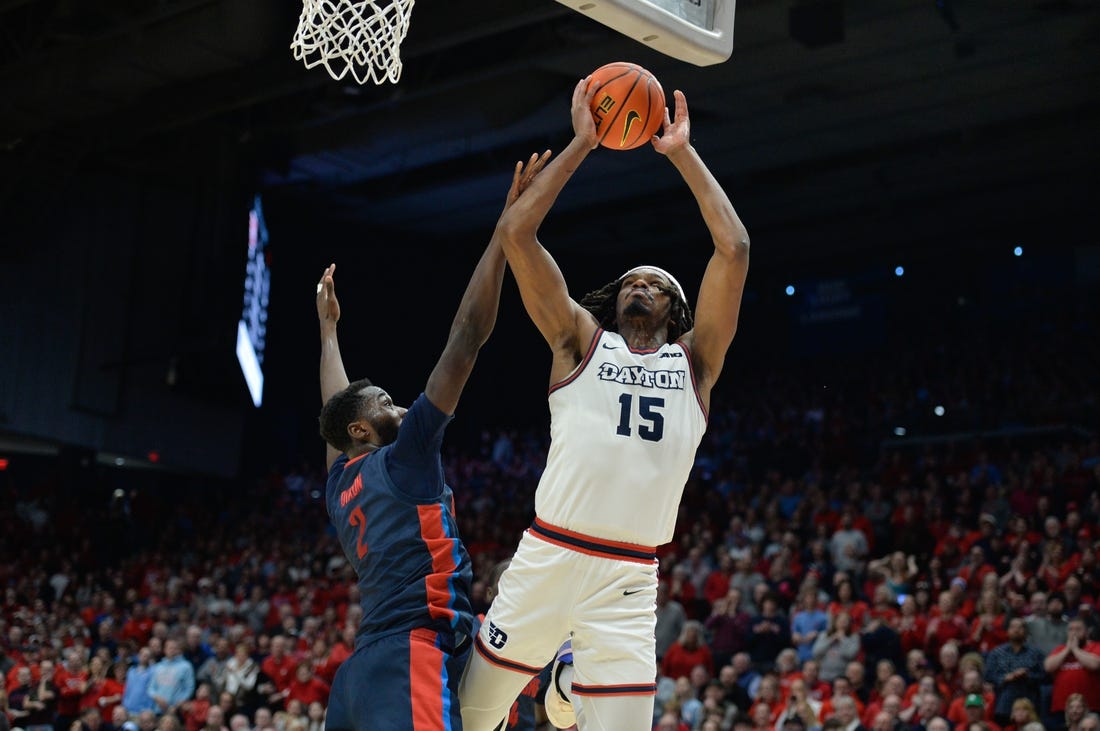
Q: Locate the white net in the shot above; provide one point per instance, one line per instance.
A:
(363, 37)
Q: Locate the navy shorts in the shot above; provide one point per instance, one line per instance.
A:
(403, 682)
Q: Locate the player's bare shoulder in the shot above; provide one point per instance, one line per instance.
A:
(572, 345)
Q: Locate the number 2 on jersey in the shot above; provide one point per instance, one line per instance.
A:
(647, 411)
(359, 520)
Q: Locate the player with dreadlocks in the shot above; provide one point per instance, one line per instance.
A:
(630, 384)
(601, 303)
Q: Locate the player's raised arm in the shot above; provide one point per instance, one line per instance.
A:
(333, 377)
(719, 303)
(541, 284)
(477, 312)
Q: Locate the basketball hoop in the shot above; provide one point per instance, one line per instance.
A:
(361, 36)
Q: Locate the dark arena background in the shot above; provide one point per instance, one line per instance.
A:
(918, 350)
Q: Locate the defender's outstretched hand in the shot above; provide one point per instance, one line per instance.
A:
(524, 174)
(328, 309)
(676, 133)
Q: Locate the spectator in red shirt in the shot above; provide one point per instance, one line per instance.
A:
(787, 670)
(1055, 567)
(824, 514)
(769, 697)
(1019, 532)
(912, 626)
(924, 685)
(847, 601)
(948, 626)
(71, 678)
(110, 690)
(976, 565)
(1082, 541)
(341, 650)
(816, 688)
(194, 711)
(717, 583)
(842, 688)
(988, 628)
(687, 652)
(964, 602)
(884, 607)
(284, 596)
(957, 712)
(926, 706)
(893, 687)
(884, 670)
(306, 688)
(950, 674)
(29, 660)
(1075, 668)
(279, 665)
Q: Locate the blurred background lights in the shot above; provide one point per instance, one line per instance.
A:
(789, 290)
(938, 411)
(898, 271)
(1018, 251)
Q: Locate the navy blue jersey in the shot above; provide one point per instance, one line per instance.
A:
(395, 518)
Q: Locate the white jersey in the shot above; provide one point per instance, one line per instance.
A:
(624, 429)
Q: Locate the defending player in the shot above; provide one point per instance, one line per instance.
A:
(395, 517)
(630, 385)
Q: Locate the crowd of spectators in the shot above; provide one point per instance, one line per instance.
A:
(836, 565)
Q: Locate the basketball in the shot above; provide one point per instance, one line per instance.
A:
(629, 105)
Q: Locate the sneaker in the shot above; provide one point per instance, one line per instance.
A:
(559, 709)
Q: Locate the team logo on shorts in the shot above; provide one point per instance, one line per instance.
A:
(497, 636)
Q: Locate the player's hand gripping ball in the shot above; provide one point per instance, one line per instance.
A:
(628, 106)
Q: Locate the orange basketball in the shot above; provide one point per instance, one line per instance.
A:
(629, 105)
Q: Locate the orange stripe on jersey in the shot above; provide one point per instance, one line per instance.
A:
(437, 585)
(353, 460)
(425, 681)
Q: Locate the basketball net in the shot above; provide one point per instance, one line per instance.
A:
(361, 36)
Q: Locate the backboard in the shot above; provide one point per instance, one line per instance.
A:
(696, 31)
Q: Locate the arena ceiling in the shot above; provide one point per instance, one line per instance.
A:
(937, 127)
(928, 117)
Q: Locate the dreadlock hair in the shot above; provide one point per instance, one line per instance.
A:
(343, 408)
(601, 303)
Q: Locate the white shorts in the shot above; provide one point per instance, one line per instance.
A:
(602, 594)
